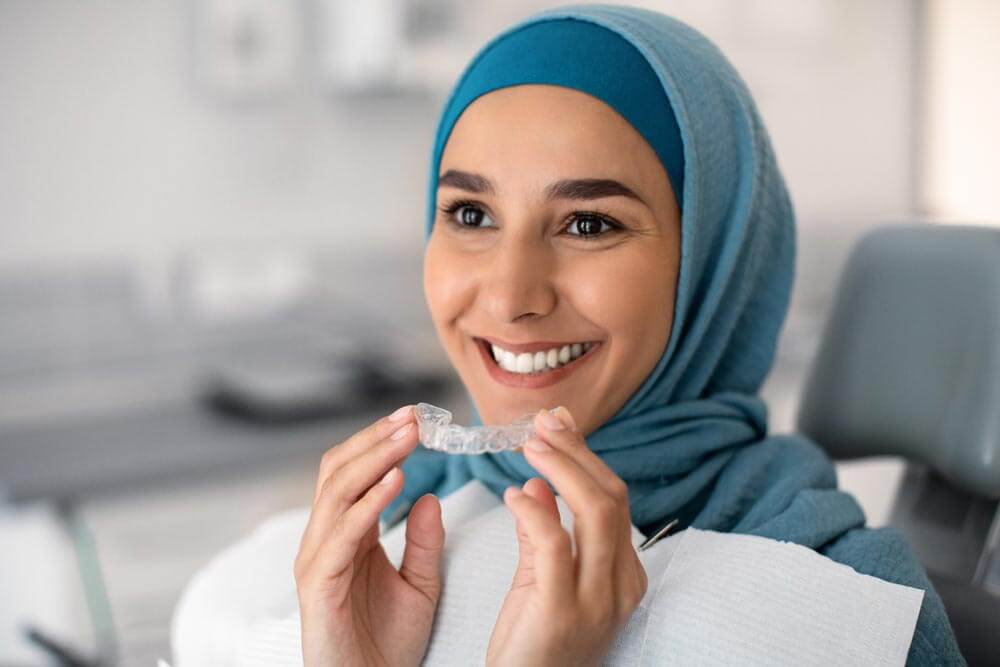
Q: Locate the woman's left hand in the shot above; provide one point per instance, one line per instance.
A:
(566, 608)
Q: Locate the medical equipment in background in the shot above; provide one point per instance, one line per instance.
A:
(909, 366)
(276, 393)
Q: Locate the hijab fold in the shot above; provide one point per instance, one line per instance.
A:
(691, 442)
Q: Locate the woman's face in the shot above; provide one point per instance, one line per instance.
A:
(557, 234)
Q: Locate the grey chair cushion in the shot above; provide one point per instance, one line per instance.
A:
(909, 364)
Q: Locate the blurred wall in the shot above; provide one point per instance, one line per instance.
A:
(961, 174)
(108, 145)
(835, 83)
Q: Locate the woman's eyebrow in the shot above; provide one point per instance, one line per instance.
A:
(464, 180)
(575, 188)
(589, 188)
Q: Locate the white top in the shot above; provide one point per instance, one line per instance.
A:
(713, 598)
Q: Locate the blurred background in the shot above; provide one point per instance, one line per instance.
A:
(211, 219)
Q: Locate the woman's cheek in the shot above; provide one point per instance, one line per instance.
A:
(629, 295)
(612, 291)
(447, 285)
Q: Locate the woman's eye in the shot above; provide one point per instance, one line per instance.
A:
(472, 216)
(589, 226)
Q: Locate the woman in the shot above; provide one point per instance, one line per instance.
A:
(608, 231)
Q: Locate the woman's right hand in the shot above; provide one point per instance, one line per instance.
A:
(356, 608)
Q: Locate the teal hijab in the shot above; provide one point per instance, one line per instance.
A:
(692, 441)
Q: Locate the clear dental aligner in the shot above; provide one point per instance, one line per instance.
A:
(437, 432)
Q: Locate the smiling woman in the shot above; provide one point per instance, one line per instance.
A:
(551, 236)
(607, 231)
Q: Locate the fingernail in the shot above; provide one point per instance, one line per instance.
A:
(400, 413)
(513, 492)
(389, 476)
(537, 445)
(401, 432)
(566, 417)
(551, 421)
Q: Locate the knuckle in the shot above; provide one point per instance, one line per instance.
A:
(299, 567)
(380, 429)
(638, 592)
(597, 615)
(328, 491)
(327, 460)
(555, 541)
(370, 498)
(337, 529)
(631, 598)
(619, 489)
(643, 581)
(634, 590)
(623, 612)
(605, 510)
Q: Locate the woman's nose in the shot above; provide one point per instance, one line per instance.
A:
(516, 282)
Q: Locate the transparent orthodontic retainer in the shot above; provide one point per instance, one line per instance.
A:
(438, 433)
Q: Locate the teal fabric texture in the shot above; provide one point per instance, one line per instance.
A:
(692, 441)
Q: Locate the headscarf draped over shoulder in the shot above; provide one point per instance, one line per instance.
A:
(692, 441)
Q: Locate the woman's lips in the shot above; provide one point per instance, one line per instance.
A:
(531, 380)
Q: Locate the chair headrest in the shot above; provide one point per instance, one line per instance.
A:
(909, 362)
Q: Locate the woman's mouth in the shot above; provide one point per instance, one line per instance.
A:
(537, 365)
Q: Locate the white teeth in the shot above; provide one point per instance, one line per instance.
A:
(564, 354)
(509, 362)
(525, 362)
(538, 362)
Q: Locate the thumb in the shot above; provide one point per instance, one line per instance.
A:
(540, 491)
(421, 566)
(537, 489)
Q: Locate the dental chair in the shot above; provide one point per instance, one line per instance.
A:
(909, 366)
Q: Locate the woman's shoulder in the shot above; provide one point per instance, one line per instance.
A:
(885, 553)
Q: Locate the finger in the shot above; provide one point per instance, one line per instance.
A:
(337, 456)
(595, 465)
(340, 454)
(339, 547)
(600, 520)
(525, 574)
(570, 440)
(560, 431)
(551, 546)
(421, 566)
(540, 491)
(350, 481)
(347, 484)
